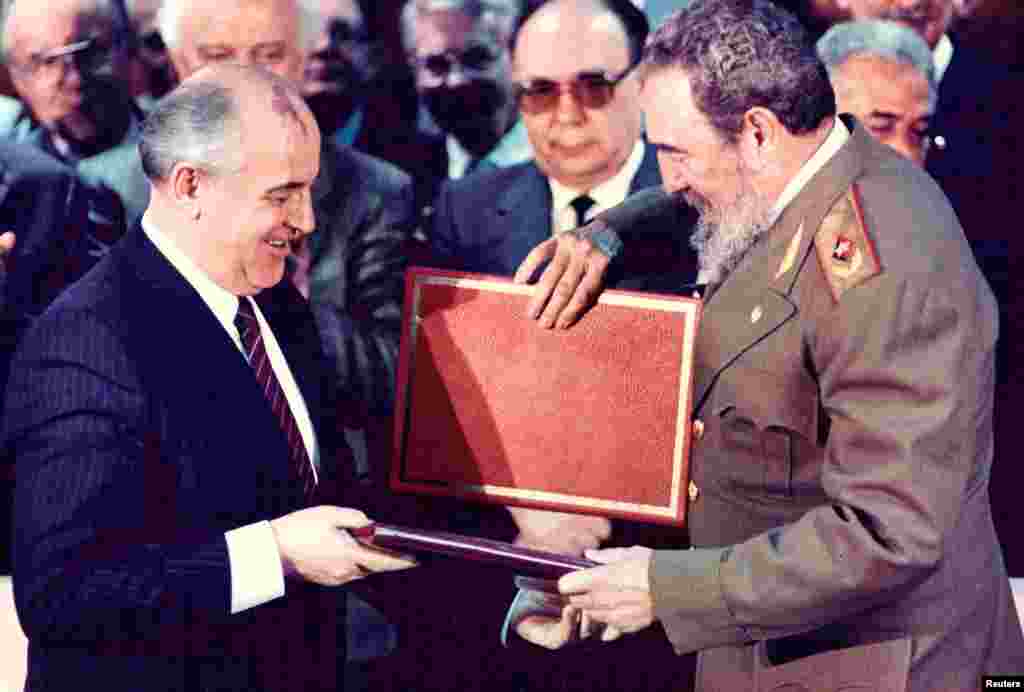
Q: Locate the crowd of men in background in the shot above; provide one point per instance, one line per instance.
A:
(458, 133)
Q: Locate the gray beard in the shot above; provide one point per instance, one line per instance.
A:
(722, 243)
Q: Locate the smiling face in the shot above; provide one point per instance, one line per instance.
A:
(576, 145)
(245, 32)
(700, 168)
(249, 219)
(697, 164)
(890, 98)
(929, 18)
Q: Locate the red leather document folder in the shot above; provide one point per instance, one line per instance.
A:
(593, 419)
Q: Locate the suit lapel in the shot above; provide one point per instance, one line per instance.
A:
(522, 215)
(175, 332)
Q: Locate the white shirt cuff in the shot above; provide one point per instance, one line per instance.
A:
(256, 572)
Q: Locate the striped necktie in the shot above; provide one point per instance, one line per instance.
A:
(256, 354)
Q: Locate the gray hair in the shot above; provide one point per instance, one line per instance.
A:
(502, 14)
(882, 38)
(742, 54)
(198, 122)
(99, 9)
(171, 12)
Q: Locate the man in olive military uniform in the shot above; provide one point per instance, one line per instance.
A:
(844, 375)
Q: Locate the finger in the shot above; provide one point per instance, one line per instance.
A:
(611, 633)
(608, 555)
(7, 240)
(537, 257)
(581, 581)
(563, 292)
(378, 560)
(345, 517)
(588, 626)
(546, 284)
(587, 291)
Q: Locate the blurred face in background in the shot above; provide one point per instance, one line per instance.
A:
(577, 98)
(152, 73)
(890, 98)
(246, 32)
(463, 74)
(929, 18)
(58, 54)
(344, 58)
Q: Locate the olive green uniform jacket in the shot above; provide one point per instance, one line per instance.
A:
(844, 383)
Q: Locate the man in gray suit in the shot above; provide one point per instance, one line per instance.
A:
(844, 371)
(68, 69)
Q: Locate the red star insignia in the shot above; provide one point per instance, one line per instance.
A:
(843, 250)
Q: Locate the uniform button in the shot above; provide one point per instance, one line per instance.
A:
(693, 491)
(698, 429)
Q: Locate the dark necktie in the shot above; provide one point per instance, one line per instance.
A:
(582, 205)
(256, 354)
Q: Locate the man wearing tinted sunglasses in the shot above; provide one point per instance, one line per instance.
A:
(578, 99)
(68, 67)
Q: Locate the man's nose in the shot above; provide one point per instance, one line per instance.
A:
(300, 213)
(568, 108)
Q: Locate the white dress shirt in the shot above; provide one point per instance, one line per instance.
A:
(832, 144)
(606, 195)
(942, 55)
(257, 575)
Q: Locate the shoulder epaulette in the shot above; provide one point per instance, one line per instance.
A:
(845, 250)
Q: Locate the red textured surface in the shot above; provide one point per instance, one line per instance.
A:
(493, 399)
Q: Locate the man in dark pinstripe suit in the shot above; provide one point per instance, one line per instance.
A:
(157, 513)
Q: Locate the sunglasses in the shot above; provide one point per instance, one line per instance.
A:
(593, 90)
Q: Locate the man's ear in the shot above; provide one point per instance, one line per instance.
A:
(759, 138)
(186, 182)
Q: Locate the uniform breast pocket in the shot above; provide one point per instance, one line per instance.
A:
(766, 422)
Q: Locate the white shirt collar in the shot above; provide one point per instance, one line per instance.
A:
(510, 150)
(942, 55)
(222, 302)
(833, 143)
(606, 195)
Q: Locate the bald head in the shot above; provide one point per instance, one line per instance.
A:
(617, 19)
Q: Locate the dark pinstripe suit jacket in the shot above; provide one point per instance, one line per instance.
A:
(140, 437)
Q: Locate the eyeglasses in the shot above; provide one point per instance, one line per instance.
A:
(592, 89)
(475, 59)
(89, 56)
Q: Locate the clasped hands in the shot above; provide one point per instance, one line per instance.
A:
(606, 601)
